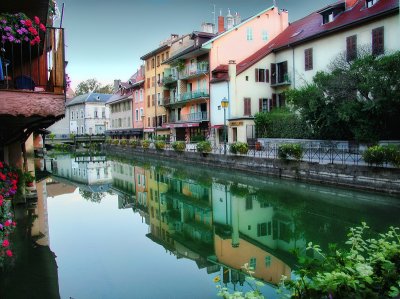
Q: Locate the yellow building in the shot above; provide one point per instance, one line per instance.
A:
(155, 113)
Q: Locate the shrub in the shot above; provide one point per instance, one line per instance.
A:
(52, 136)
(108, 140)
(72, 136)
(204, 147)
(290, 151)
(239, 147)
(115, 141)
(197, 138)
(179, 146)
(146, 143)
(379, 154)
(133, 143)
(123, 142)
(159, 144)
(366, 268)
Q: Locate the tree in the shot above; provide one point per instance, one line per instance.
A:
(92, 85)
(356, 100)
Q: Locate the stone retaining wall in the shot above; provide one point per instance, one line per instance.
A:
(361, 177)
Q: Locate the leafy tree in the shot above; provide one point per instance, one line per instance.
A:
(92, 196)
(355, 100)
(92, 85)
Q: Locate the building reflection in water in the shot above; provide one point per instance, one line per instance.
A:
(217, 222)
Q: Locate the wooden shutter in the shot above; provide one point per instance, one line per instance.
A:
(308, 59)
(351, 47)
(148, 101)
(256, 76)
(267, 75)
(247, 106)
(273, 73)
(273, 101)
(378, 45)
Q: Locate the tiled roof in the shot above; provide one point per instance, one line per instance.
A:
(311, 27)
(90, 98)
(155, 52)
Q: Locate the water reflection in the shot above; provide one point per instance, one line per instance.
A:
(222, 221)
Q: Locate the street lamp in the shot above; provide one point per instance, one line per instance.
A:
(224, 104)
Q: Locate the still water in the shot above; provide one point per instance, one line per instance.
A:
(146, 229)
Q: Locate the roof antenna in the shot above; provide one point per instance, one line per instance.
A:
(275, 5)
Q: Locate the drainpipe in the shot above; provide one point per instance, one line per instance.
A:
(293, 67)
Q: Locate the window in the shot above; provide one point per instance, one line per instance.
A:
(247, 78)
(328, 17)
(148, 65)
(82, 115)
(137, 114)
(158, 99)
(351, 47)
(249, 203)
(148, 121)
(103, 112)
(253, 263)
(370, 3)
(308, 59)
(247, 106)
(279, 73)
(148, 101)
(141, 112)
(148, 82)
(158, 60)
(82, 130)
(268, 261)
(153, 99)
(167, 55)
(152, 63)
(262, 105)
(265, 35)
(153, 81)
(162, 57)
(249, 32)
(72, 114)
(261, 229)
(136, 96)
(262, 75)
(378, 43)
(234, 134)
(95, 113)
(141, 95)
(98, 173)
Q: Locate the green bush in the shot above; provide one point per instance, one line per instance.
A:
(159, 144)
(115, 141)
(204, 147)
(123, 142)
(146, 143)
(108, 140)
(365, 268)
(239, 147)
(197, 138)
(52, 136)
(290, 151)
(133, 143)
(379, 154)
(179, 146)
(71, 136)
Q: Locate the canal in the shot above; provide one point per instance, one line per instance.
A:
(106, 227)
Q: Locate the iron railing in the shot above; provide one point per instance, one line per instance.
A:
(197, 116)
(39, 67)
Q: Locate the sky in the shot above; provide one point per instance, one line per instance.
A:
(105, 39)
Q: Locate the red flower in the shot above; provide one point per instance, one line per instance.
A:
(1, 201)
(1, 165)
(6, 243)
(2, 176)
(33, 42)
(7, 223)
(42, 27)
(33, 31)
(9, 253)
(28, 23)
(37, 39)
(37, 20)
(14, 223)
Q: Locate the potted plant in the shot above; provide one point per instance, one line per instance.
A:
(204, 147)
(179, 146)
(160, 145)
(146, 143)
(29, 181)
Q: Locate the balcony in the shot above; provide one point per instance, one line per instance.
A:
(282, 80)
(191, 117)
(191, 95)
(197, 70)
(169, 80)
(32, 84)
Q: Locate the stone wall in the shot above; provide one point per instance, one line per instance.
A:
(361, 177)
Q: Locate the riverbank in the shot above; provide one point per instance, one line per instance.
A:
(376, 179)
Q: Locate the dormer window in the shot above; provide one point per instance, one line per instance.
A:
(370, 3)
(330, 13)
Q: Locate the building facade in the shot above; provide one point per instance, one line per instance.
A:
(88, 114)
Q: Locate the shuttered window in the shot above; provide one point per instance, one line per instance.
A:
(247, 106)
(262, 105)
(351, 47)
(308, 59)
(272, 103)
(148, 101)
(378, 44)
(262, 75)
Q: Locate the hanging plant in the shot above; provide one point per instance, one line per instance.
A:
(18, 28)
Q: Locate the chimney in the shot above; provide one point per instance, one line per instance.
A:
(116, 85)
(221, 24)
(207, 27)
(350, 3)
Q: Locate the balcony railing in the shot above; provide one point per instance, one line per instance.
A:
(39, 67)
(191, 117)
(169, 80)
(186, 96)
(194, 71)
(282, 81)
